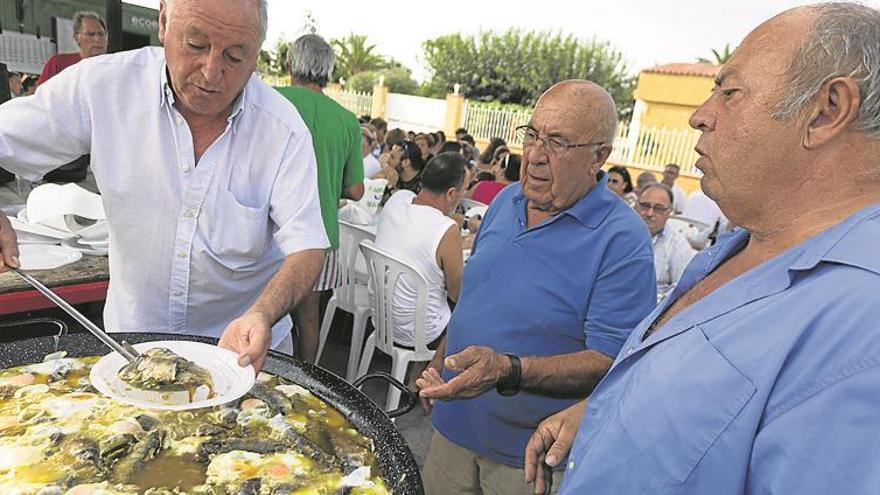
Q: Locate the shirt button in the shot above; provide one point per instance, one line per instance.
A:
(179, 119)
(186, 168)
(630, 351)
(181, 255)
(178, 294)
(571, 464)
(189, 213)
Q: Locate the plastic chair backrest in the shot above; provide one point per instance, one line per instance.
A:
(466, 204)
(350, 236)
(385, 271)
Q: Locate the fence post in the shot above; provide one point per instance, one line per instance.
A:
(380, 98)
(454, 113)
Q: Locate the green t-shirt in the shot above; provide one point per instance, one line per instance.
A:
(336, 137)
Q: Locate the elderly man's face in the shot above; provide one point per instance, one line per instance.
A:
(654, 207)
(670, 174)
(745, 154)
(91, 38)
(554, 181)
(211, 49)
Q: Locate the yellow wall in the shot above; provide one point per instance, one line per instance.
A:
(671, 99)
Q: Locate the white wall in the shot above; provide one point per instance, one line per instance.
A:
(415, 113)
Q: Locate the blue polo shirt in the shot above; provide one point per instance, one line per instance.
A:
(770, 384)
(580, 280)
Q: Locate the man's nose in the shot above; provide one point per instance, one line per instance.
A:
(212, 70)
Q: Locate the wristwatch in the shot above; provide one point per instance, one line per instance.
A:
(509, 385)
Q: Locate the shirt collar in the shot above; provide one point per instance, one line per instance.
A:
(851, 242)
(591, 209)
(166, 97)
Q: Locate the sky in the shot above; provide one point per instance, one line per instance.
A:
(647, 32)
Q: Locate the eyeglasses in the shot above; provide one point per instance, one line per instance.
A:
(645, 206)
(552, 145)
(93, 34)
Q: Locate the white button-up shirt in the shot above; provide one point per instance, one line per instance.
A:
(672, 253)
(191, 245)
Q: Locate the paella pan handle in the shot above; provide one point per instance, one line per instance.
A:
(408, 398)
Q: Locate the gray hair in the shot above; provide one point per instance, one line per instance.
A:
(262, 12)
(311, 60)
(844, 41)
(86, 14)
(662, 187)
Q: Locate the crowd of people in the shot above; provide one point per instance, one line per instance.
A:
(556, 369)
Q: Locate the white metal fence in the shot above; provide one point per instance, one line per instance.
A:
(485, 123)
(355, 101)
(646, 147)
(653, 147)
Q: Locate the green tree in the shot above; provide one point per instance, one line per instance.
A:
(274, 62)
(398, 80)
(517, 66)
(718, 57)
(354, 55)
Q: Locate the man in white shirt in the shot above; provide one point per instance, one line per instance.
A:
(369, 142)
(419, 230)
(206, 177)
(672, 252)
(670, 175)
(706, 211)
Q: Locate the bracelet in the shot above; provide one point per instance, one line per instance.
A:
(509, 385)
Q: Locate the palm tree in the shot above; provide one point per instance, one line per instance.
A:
(354, 55)
(720, 57)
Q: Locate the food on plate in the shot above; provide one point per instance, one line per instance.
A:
(58, 435)
(160, 369)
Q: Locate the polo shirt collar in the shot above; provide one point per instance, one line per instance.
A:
(591, 209)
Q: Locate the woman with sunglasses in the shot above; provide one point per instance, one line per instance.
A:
(620, 182)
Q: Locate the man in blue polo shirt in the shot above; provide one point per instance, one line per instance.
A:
(560, 272)
(760, 373)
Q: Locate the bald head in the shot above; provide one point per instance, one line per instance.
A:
(591, 106)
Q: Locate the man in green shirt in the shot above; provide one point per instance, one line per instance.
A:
(336, 137)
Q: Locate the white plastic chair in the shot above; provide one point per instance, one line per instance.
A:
(385, 271)
(467, 204)
(352, 296)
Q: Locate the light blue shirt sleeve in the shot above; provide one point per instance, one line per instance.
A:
(828, 443)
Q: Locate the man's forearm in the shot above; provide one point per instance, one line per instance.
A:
(294, 280)
(570, 375)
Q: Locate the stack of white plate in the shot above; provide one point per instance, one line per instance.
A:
(63, 215)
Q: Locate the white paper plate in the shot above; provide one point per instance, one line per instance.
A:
(231, 381)
(96, 232)
(84, 248)
(45, 256)
(29, 238)
(20, 225)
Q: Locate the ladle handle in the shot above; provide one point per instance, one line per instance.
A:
(127, 352)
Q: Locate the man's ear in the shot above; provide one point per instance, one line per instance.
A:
(163, 21)
(602, 154)
(835, 107)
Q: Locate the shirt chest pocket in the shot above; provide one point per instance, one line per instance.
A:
(679, 401)
(236, 235)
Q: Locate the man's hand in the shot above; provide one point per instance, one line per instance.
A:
(551, 442)
(249, 336)
(8, 244)
(429, 378)
(480, 368)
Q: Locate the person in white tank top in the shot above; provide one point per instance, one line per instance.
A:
(418, 230)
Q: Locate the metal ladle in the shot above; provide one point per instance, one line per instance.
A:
(125, 349)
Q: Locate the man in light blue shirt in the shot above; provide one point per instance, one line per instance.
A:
(760, 372)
